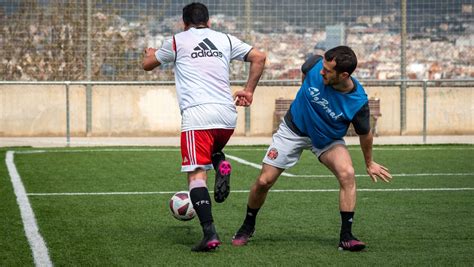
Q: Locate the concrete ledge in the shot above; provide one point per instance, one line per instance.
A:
(237, 140)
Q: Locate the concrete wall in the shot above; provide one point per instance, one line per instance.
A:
(33, 110)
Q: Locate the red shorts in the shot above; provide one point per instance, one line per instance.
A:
(197, 147)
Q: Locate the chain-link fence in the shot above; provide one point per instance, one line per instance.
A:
(103, 40)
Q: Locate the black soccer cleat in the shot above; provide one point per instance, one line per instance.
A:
(222, 181)
(208, 243)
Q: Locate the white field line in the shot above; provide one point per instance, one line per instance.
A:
(237, 159)
(251, 164)
(272, 190)
(78, 150)
(97, 150)
(417, 148)
(258, 166)
(37, 244)
(393, 175)
(357, 148)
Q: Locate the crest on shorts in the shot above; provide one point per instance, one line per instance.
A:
(272, 154)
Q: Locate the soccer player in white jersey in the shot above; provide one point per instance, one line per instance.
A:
(201, 58)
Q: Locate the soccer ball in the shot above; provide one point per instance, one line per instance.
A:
(181, 206)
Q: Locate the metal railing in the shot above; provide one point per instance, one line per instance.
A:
(425, 84)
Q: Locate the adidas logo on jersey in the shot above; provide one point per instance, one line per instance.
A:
(206, 49)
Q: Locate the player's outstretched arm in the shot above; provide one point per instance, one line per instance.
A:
(257, 64)
(375, 170)
(149, 59)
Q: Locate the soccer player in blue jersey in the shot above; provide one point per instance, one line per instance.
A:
(328, 101)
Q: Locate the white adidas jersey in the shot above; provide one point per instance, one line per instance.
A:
(202, 63)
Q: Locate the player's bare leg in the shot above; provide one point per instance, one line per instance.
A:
(258, 193)
(338, 160)
(259, 190)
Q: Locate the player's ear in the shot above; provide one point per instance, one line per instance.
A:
(208, 23)
(344, 75)
(183, 25)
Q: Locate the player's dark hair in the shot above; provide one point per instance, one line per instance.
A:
(346, 59)
(195, 14)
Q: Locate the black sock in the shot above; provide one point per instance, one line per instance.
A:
(217, 158)
(250, 217)
(346, 224)
(202, 205)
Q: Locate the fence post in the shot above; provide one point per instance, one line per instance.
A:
(68, 126)
(89, 70)
(403, 74)
(425, 112)
(248, 19)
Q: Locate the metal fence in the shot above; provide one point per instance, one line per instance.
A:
(458, 115)
(103, 40)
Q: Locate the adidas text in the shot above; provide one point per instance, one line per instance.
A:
(207, 53)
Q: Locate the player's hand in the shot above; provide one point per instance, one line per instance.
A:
(377, 171)
(149, 51)
(243, 98)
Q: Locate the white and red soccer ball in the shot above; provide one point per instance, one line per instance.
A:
(181, 206)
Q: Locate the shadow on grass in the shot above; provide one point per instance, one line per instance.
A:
(183, 234)
(320, 241)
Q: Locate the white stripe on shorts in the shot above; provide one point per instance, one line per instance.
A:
(191, 147)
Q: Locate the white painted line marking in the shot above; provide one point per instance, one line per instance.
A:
(378, 190)
(37, 244)
(102, 193)
(227, 149)
(258, 166)
(246, 191)
(98, 150)
(237, 159)
(394, 175)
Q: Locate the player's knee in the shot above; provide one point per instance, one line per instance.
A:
(264, 184)
(346, 175)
